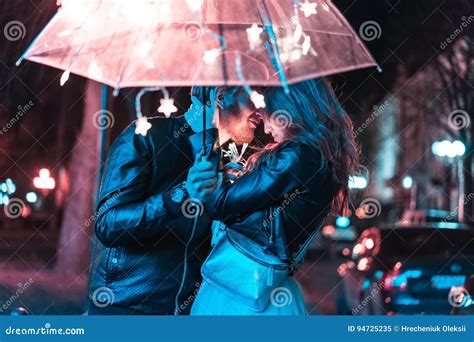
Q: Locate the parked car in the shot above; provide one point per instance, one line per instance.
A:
(405, 270)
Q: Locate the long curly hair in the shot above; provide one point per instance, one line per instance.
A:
(312, 113)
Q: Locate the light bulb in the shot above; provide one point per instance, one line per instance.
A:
(64, 77)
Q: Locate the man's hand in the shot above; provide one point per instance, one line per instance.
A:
(202, 179)
(194, 114)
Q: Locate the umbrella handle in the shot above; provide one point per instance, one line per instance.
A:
(204, 102)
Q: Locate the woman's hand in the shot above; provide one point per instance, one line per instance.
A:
(232, 171)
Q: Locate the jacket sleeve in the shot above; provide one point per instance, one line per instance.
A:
(126, 212)
(291, 167)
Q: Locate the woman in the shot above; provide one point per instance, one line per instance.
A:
(301, 177)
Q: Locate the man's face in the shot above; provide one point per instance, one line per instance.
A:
(241, 125)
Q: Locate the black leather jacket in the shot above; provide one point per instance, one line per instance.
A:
(293, 190)
(142, 232)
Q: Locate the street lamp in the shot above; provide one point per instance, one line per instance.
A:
(448, 149)
(452, 151)
(357, 182)
(31, 197)
(409, 183)
(44, 181)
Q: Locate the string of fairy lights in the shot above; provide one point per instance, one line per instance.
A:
(282, 46)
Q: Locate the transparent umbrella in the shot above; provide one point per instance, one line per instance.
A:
(149, 43)
(158, 43)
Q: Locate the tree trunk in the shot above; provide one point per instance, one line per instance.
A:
(74, 241)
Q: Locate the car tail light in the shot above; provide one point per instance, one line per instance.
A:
(392, 281)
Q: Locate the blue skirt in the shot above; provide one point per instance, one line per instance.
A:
(286, 300)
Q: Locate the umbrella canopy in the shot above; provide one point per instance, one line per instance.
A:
(143, 43)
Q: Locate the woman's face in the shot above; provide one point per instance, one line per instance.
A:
(275, 126)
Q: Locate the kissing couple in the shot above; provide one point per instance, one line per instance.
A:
(180, 233)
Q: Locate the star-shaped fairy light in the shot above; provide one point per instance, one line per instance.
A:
(253, 36)
(309, 8)
(167, 107)
(257, 99)
(142, 126)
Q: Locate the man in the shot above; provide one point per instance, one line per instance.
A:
(153, 244)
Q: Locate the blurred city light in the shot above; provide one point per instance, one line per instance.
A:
(44, 181)
(363, 264)
(358, 249)
(447, 281)
(357, 182)
(31, 197)
(369, 243)
(328, 230)
(459, 147)
(11, 187)
(407, 182)
(343, 222)
(448, 149)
